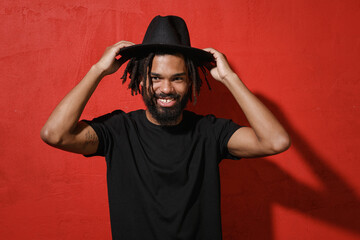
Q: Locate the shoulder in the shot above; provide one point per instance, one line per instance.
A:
(114, 121)
(208, 119)
(210, 123)
(116, 115)
(188, 115)
(105, 117)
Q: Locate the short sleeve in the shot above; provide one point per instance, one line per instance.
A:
(223, 130)
(103, 127)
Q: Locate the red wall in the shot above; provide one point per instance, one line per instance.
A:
(300, 57)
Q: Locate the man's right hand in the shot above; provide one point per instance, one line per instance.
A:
(108, 64)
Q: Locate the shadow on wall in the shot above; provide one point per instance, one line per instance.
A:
(250, 188)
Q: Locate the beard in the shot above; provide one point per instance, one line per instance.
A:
(165, 116)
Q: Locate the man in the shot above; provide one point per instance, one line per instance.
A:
(162, 162)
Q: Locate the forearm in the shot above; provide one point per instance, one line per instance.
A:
(63, 120)
(266, 127)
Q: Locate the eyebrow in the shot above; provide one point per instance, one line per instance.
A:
(175, 75)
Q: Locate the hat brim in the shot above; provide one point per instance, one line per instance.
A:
(141, 50)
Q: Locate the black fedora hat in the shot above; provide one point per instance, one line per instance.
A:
(167, 34)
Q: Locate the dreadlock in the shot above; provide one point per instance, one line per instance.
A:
(139, 68)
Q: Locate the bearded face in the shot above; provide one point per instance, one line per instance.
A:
(170, 91)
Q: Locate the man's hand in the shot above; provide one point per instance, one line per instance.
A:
(222, 70)
(108, 64)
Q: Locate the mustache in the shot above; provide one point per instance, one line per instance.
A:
(170, 95)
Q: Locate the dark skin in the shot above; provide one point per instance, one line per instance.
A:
(169, 76)
(265, 136)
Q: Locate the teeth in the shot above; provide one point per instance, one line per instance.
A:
(165, 100)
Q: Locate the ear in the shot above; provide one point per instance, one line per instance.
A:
(141, 81)
(141, 87)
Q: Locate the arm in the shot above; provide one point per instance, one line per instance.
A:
(266, 136)
(63, 129)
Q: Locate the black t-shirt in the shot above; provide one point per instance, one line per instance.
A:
(163, 182)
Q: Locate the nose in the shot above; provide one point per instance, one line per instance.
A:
(166, 86)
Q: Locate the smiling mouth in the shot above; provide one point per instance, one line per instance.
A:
(166, 102)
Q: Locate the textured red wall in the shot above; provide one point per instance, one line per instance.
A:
(300, 57)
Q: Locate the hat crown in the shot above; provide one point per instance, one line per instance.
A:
(169, 30)
(167, 34)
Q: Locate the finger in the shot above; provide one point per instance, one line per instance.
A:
(122, 44)
(216, 54)
(124, 41)
(210, 50)
(209, 65)
(122, 60)
(118, 63)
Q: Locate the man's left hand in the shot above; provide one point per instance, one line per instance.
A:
(222, 70)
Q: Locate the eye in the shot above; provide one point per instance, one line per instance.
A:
(178, 79)
(155, 78)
